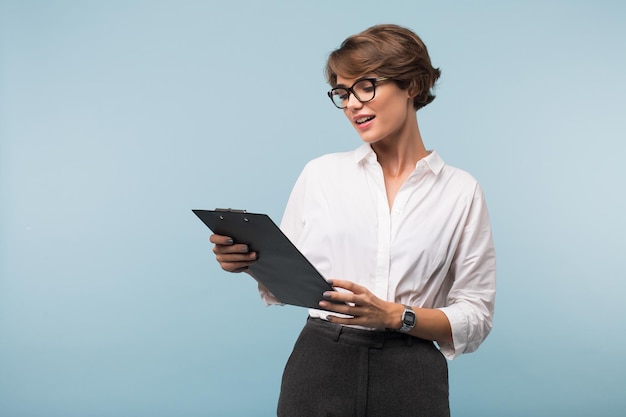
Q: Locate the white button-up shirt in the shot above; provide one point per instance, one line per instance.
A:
(433, 249)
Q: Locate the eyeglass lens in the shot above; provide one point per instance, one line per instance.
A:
(363, 91)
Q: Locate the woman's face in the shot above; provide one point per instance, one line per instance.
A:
(385, 117)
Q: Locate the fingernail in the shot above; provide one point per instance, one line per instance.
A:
(330, 281)
(230, 242)
(327, 294)
(244, 249)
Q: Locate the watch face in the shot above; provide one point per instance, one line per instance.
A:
(409, 318)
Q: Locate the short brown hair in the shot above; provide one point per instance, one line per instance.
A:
(390, 51)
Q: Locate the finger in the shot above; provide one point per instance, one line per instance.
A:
(347, 285)
(236, 248)
(350, 320)
(220, 239)
(235, 257)
(338, 307)
(339, 297)
(235, 266)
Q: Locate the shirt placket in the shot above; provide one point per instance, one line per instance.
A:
(389, 222)
(380, 284)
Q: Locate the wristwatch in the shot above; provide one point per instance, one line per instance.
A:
(408, 320)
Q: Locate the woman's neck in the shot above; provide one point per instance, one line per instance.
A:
(398, 155)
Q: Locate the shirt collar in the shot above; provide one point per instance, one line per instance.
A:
(432, 160)
(364, 153)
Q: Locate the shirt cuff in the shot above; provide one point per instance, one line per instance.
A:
(460, 331)
(267, 297)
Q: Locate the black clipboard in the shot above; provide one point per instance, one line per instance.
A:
(280, 266)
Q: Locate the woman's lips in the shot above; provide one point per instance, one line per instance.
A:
(363, 121)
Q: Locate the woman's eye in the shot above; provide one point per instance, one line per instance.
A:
(342, 94)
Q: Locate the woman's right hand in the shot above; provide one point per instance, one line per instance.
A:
(232, 257)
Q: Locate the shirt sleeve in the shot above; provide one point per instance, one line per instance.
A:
(470, 303)
(291, 225)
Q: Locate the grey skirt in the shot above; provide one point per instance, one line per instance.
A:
(340, 371)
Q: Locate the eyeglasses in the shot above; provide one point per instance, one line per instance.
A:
(363, 90)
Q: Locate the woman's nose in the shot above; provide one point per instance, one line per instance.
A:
(353, 102)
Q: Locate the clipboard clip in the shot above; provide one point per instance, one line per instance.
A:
(229, 210)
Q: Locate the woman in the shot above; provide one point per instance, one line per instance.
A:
(405, 238)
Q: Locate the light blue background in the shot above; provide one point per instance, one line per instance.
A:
(119, 117)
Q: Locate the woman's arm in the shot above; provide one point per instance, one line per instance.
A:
(368, 310)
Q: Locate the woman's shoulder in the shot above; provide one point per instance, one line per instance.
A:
(334, 161)
(452, 176)
(459, 175)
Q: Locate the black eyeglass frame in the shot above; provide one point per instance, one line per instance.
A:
(373, 80)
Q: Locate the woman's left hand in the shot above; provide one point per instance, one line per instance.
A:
(365, 308)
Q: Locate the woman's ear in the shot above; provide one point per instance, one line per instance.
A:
(413, 89)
